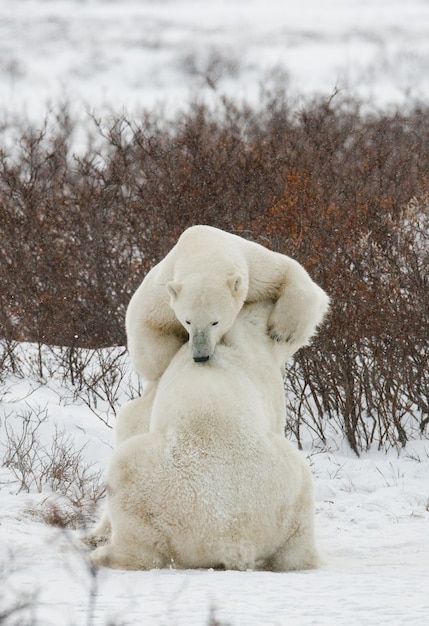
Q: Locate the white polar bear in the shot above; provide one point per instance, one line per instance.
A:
(212, 484)
(198, 290)
(133, 418)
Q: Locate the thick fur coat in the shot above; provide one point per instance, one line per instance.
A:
(198, 289)
(214, 483)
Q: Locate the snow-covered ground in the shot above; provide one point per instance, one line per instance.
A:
(372, 527)
(135, 53)
(372, 512)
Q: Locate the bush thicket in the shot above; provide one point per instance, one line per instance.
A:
(343, 191)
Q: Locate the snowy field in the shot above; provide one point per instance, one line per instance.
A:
(373, 512)
(372, 528)
(129, 54)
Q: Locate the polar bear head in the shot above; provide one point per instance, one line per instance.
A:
(207, 308)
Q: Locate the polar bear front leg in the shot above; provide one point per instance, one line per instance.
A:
(300, 308)
(299, 304)
(151, 348)
(154, 335)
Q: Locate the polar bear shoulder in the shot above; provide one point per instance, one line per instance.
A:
(196, 292)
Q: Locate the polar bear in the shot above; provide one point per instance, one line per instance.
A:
(212, 484)
(198, 289)
(133, 418)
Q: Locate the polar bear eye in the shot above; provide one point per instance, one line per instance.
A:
(215, 323)
(187, 322)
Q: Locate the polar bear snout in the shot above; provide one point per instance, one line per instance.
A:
(202, 345)
(200, 353)
(201, 359)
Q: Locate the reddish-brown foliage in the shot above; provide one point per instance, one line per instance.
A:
(327, 185)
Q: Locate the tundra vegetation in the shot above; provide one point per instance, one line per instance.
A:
(341, 188)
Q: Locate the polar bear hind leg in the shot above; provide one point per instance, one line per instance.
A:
(299, 552)
(295, 555)
(128, 556)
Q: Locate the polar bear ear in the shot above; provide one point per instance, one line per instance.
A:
(174, 289)
(235, 283)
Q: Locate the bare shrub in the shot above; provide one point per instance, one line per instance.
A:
(342, 190)
(14, 603)
(213, 620)
(101, 379)
(9, 359)
(20, 608)
(211, 69)
(59, 468)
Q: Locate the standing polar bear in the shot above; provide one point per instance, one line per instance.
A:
(212, 484)
(198, 289)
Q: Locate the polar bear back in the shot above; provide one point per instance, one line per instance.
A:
(209, 251)
(239, 376)
(213, 484)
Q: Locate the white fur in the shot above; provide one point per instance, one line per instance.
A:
(214, 483)
(198, 289)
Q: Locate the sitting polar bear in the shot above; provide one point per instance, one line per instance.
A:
(213, 483)
(198, 289)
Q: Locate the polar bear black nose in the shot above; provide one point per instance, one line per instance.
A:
(201, 359)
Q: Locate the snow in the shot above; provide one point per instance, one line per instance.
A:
(133, 54)
(372, 514)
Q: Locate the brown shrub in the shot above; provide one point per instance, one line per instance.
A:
(327, 184)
